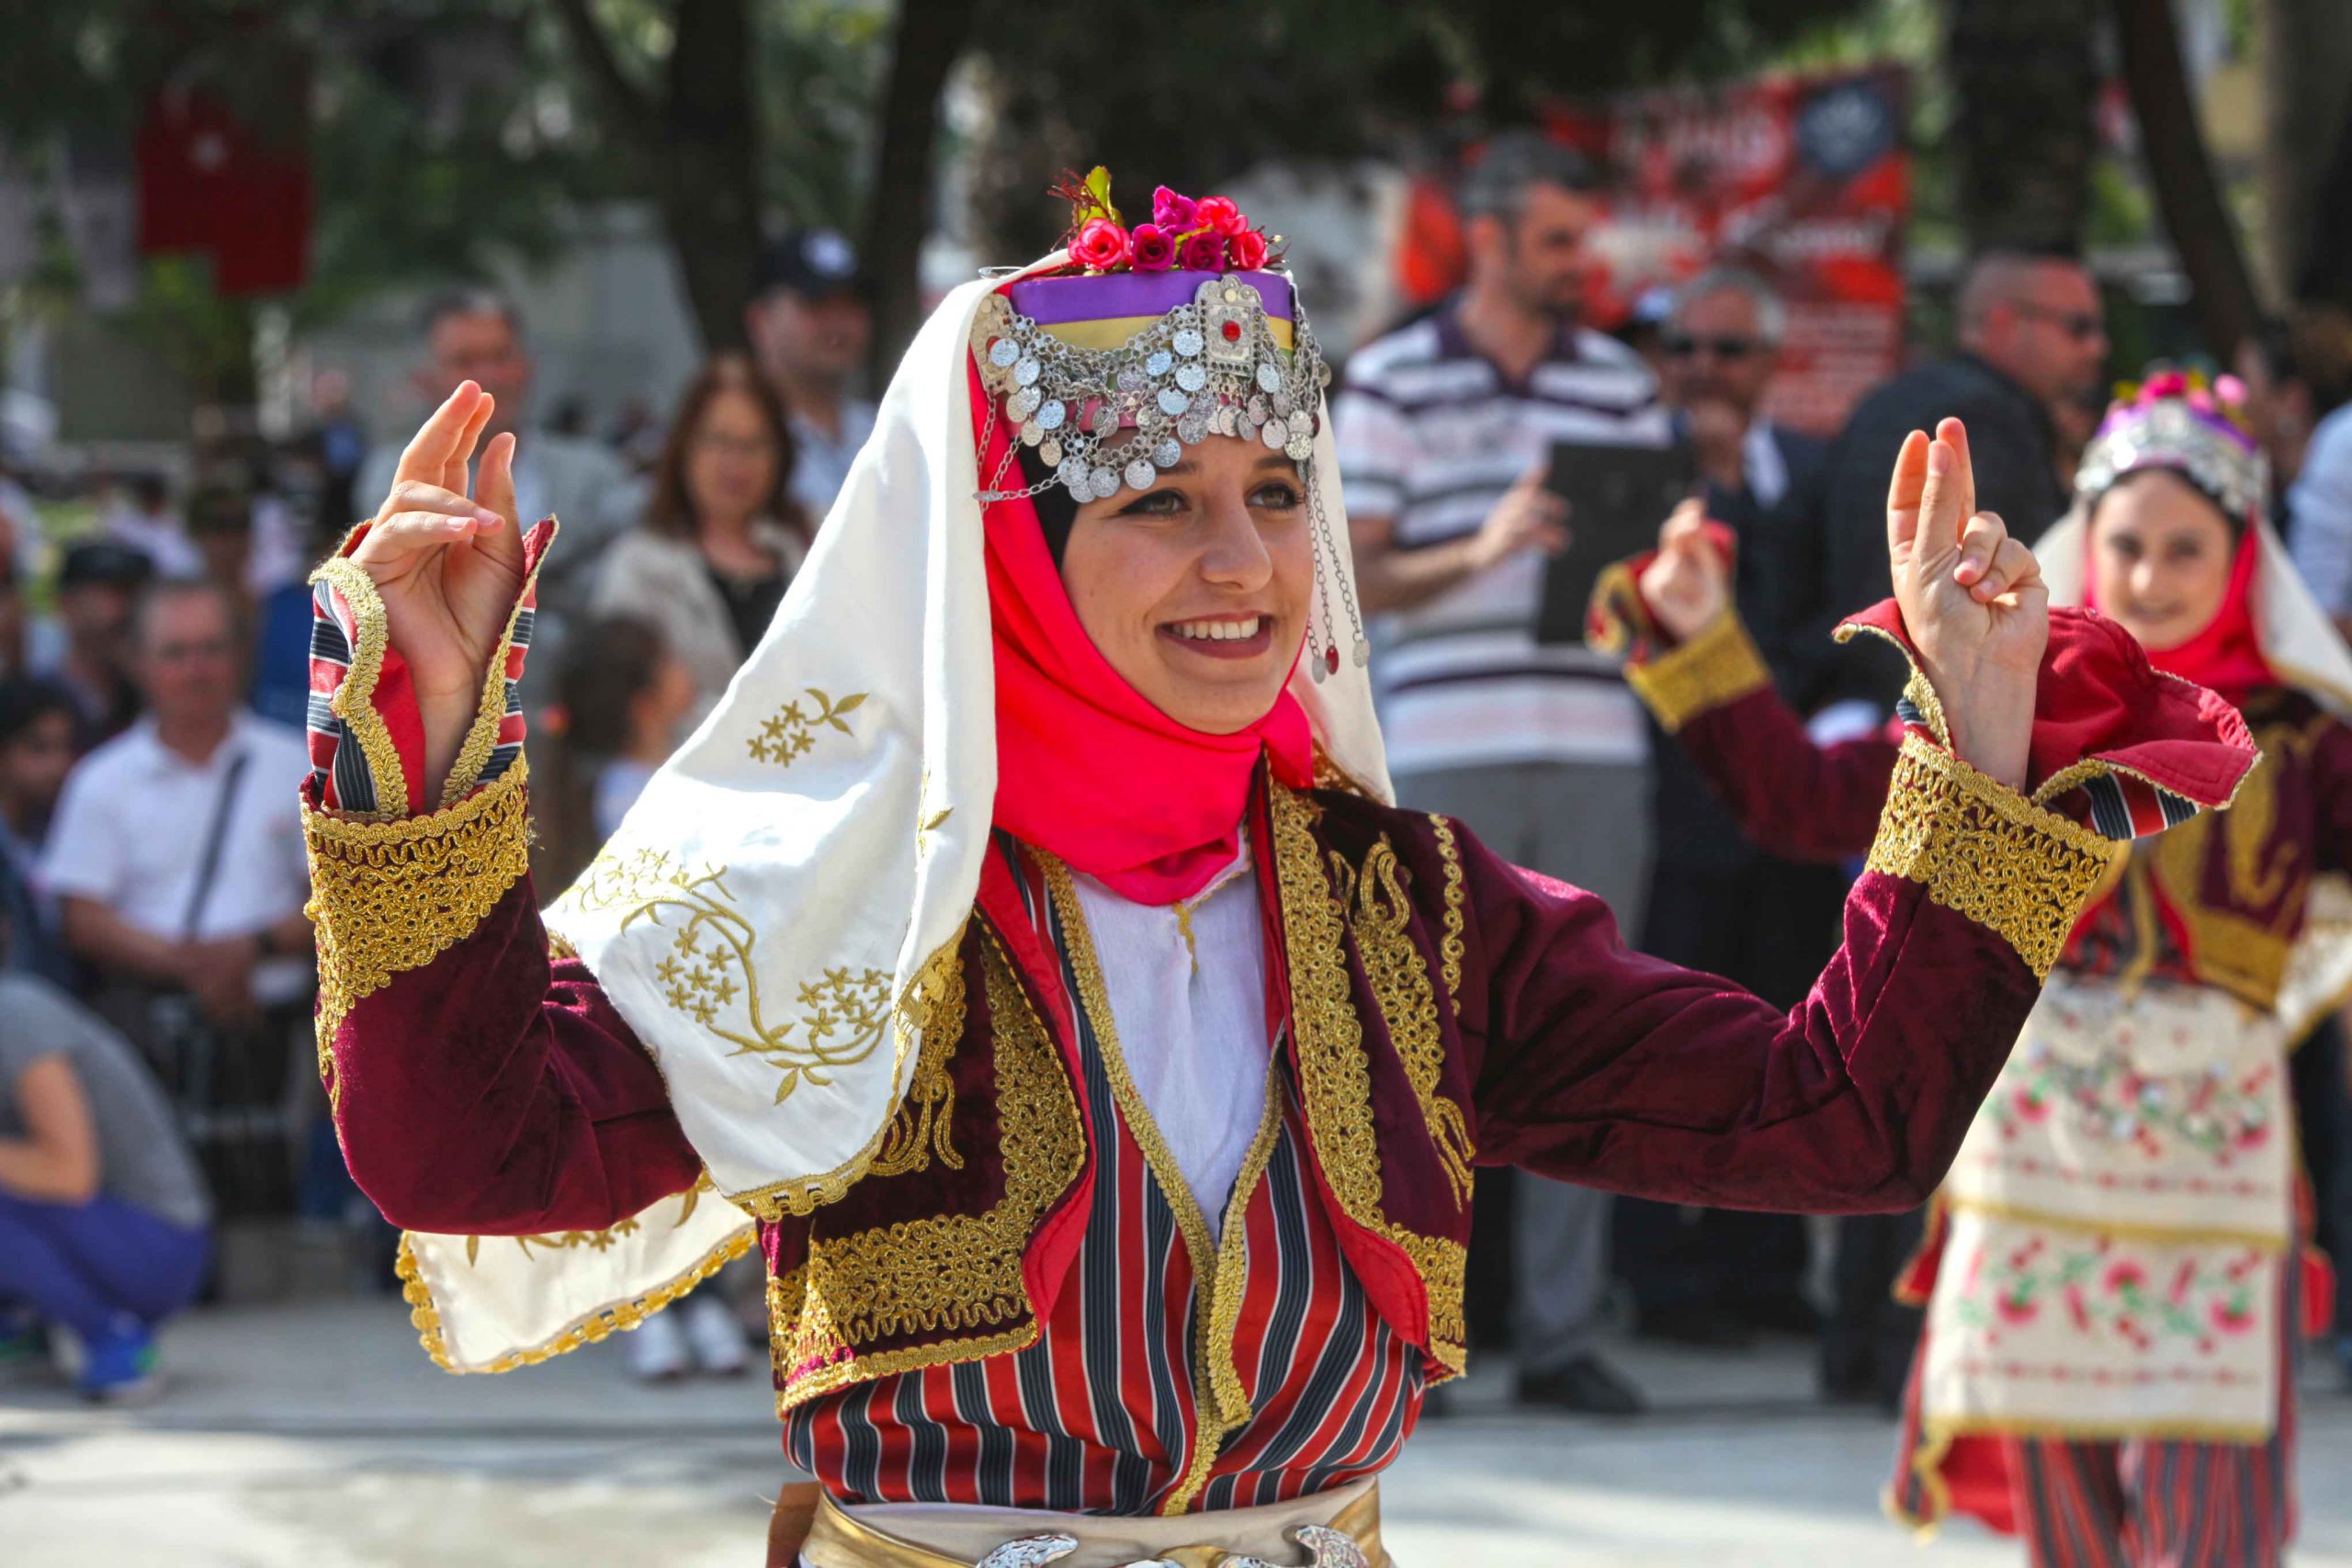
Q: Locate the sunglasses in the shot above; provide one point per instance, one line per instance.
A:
(2080, 325)
(1682, 345)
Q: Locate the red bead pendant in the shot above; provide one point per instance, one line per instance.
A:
(1331, 659)
(1233, 331)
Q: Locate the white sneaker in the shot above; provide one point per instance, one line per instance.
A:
(656, 1350)
(718, 1340)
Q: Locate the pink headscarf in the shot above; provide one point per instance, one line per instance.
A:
(1087, 768)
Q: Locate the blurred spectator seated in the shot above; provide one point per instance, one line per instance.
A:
(624, 697)
(477, 335)
(36, 750)
(143, 517)
(811, 323)
(103, 1215)
(86, 646)
(721, 536)
(176, 853)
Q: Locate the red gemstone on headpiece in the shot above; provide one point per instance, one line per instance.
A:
(1233, 331)
(1331, 658)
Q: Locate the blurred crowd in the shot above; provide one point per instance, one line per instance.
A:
(161, 1129)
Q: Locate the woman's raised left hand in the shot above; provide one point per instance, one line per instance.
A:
(1973, 599)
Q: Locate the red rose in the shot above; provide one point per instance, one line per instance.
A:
(1203, 253)
(1246, 250)
(1219, 215)
(1154, 248)
(1100, 246)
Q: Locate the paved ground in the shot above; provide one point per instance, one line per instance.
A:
(318, 1435)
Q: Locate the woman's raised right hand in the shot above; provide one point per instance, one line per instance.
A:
(447, 566)
(1688, 584)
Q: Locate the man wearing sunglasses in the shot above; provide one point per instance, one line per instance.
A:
(2031, 337)
(1715, 1277)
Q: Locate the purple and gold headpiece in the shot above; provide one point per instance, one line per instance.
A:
(2175, 420)
(1110, 368)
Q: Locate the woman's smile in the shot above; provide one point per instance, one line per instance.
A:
(1222, 636)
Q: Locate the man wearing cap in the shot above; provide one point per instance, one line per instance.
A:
(85, 647)
(811, 325)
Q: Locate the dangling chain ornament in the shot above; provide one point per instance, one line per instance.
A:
(1104, 419)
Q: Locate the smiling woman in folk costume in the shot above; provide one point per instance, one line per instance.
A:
(2111, 1276)
(1025, 957)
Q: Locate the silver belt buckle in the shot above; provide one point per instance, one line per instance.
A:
(1327, 1548)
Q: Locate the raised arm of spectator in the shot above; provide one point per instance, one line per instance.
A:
(479, 1083)
(55, 1159)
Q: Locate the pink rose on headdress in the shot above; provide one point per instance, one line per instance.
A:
(1246, 250)
(1170, 211)
(1219, 214)
(1203, 253)
(1100, 246)
(1153, 247)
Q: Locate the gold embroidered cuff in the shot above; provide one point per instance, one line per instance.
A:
(1720, 665)
(390, 896)
(1987, 853)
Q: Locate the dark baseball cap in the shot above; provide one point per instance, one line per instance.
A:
(816, 264)
(104, 562)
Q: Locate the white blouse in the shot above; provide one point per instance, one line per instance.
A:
(1187, 984)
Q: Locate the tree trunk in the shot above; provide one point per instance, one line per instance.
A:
(2305, 175)
(2181, 172)
(2023, 138)
(709, 156)
(929, 39)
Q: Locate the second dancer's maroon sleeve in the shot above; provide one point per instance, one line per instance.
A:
(1602, 1065)
(479, 1086)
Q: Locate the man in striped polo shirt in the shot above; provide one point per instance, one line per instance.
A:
(1444, 429)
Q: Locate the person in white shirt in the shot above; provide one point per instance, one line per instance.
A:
(810, 325)
(136, 827)
(1444, 428)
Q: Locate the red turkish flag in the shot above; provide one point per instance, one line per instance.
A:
(208, 184)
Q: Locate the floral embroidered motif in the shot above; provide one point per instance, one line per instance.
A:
(791, 731)
(2208, 1110)
(1985, 853)
(595, 1241)
(390, 896)
(1450, 948)
(1335, 1075)
(1382, 921)
(1719, 665)
(952, 1271)
(708, 975)
(2107, 1292)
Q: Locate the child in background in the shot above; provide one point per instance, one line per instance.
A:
(624, 694)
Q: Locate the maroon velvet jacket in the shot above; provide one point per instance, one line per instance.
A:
(1444, 1006)
(2218, 899)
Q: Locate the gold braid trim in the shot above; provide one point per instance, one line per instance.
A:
(1987, 853)
(1450, 949)
(391, 897)
(624, 1315)
(1720, 665)
(354, 700)
(1216, 1378)
(482, 737)
(921, 1127)
(951, 1271)
(1335, 1075)
(1382, 922)
(1231, 1284)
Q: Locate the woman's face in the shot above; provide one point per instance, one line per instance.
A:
(730, 468)
(1196, 590)
(2161, 557)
